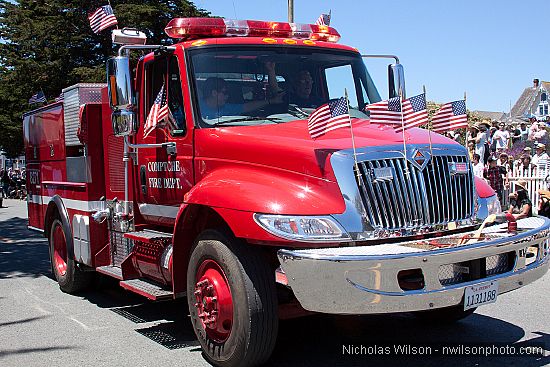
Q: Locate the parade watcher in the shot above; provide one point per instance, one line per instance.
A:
(540, 158)
(520, 204)
(479, 138)
(526, 167)
(497, 177)
(532, 129)
(501, 138)
(541, 134)
(524, 131)
(515, 133)
(503, 162)
(477, 166)
(491, 142)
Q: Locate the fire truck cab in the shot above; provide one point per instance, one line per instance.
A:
(193, 174)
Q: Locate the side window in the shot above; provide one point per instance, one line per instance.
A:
(155, 76)
(161, 72)
(340, 78)
(175, 97)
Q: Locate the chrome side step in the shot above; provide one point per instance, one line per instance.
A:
(147, 289)
(112, 271)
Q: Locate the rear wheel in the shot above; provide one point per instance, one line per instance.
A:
(232, 301)
(70, 278)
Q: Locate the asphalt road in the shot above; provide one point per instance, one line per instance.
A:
(107, 326)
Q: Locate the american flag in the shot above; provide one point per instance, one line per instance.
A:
(102, 18)
(328, 117)
(324, 19)
(414, 112)
(159, 111)
(385, 112)
(451, 116)
(37, 98)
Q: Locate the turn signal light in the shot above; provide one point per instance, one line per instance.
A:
(193, 28)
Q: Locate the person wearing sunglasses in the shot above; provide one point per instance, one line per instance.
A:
(215, 96)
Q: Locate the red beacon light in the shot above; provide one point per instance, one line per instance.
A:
(193, 28)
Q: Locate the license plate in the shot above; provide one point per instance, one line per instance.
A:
(480, 294)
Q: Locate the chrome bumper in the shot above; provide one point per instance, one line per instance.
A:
(363, 279)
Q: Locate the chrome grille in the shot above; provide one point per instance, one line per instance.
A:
(414, 197)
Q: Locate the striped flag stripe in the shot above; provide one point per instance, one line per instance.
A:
(329, 125)
(330, 116)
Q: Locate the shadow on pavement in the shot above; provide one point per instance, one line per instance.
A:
(6, 353)
(24, 321)
(23, 253)
(322, 340)
(328, 340)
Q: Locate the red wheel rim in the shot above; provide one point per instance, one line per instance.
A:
(214, 303)
(59, 250)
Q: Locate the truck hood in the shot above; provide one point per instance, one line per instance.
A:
(288, 146)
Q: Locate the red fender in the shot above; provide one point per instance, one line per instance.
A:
(483, 189)
(265, 190)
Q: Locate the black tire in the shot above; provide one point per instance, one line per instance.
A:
(72, 279)
(254, 325)
(446, 315)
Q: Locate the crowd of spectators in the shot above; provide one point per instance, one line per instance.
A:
(499, 151)
(11, 180)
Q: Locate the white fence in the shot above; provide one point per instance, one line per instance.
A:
(535, 178)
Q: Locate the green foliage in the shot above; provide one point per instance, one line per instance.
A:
(49, 45)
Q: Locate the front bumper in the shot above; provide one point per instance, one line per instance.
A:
(364, 279)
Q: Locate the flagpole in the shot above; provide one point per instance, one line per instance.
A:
(429, 127)
(466, 134)
(352, 136)
(403, 129)
(109, 2)
(44, 94)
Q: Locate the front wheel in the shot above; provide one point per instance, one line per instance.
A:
(69, 277)
(232, 301)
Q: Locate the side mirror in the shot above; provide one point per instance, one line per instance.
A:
(124, 122)
(396, 80)
(121, 96)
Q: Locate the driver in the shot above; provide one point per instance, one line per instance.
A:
(302, 87)
(214, 103)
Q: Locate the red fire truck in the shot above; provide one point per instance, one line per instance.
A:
(235, 207)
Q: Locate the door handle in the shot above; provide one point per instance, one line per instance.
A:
(143, 179)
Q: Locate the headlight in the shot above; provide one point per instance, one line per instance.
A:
(490, 205)
(302, 228)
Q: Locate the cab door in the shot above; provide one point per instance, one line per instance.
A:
(163, 177)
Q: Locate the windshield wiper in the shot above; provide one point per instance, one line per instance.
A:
(296, 111)
(248, 118)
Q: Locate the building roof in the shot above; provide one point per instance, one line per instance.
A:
(490, 115)
(524, 103)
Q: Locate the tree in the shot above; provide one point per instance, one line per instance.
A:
(48, 45)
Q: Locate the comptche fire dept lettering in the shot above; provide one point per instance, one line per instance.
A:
(232, 205)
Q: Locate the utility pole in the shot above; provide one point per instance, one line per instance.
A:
(291, 11)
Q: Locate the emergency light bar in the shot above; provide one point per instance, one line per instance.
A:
(192, 28)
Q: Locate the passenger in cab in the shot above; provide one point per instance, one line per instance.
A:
(215, 95)
(301, 93)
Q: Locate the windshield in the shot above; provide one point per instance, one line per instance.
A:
(267, 85)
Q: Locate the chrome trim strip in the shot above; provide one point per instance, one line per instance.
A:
(35, 229)
(81, 205)
(164, 211)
